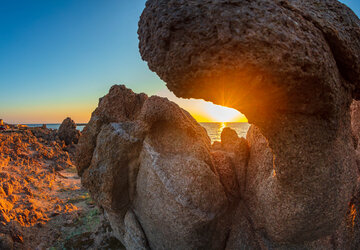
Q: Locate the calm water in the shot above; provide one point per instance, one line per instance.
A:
(213, 128)
(53, 126)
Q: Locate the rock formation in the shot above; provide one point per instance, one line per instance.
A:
(151, 167)
(147, 163)
(68, 132)
(292, 67)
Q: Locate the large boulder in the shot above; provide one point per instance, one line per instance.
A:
(68, 132)
(148, 164)
(162, 186)
(293, 68)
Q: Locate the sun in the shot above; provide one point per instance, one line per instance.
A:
(222, 114)
(204, 111)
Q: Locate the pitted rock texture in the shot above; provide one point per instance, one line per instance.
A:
(162, 185)
(68, 132)
(269, 52)
(292, 67)
(148, 164)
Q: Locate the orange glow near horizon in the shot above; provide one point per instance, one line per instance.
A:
(81, 111)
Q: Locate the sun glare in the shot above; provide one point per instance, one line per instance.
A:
(221, 114)
(204, 111)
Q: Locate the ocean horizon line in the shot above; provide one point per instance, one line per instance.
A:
(85, 123)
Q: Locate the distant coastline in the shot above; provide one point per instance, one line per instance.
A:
(40, 124)
(79, 126)
(214, 129)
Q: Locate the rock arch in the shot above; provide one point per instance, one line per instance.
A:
(292, 67)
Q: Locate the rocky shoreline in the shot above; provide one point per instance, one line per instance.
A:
(42, 202)
(292, 67)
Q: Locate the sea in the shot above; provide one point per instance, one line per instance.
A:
(55, 126)
(214, 129)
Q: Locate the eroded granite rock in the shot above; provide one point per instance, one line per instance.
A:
(162, 185)
(148, 164)
(292, 67)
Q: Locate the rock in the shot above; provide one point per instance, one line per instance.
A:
(6, 242)
(8, 188)
(216, 145)
(119, 106)
(151, 174)
(229, 138)
(226, 171)
(68, 132)
(355, 121)
(16, 232)
(134, 236)
(148, 165)
(292, 67)
(56, 167)
(235, 155)
(242, 234)
(45, 134)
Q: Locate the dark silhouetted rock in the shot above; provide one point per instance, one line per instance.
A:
(229, 138)
(68, 132)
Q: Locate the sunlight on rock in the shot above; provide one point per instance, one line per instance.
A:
(352, 215)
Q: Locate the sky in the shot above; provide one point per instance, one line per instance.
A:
(58, 57)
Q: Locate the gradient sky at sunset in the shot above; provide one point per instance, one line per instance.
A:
(58, 57)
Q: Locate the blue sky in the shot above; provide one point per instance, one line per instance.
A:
(58, 57)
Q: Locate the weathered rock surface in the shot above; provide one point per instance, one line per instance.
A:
(292, 67)
(162, 186)
(68, 132)
(149, 166)
(355, 122)
(6, 242)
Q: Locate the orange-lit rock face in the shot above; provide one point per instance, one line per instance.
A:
(292, 68)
